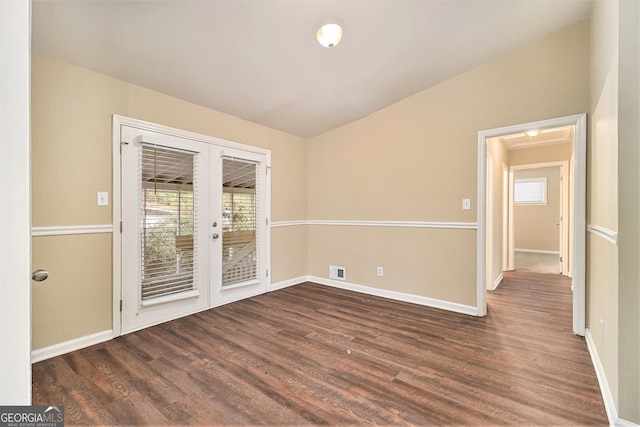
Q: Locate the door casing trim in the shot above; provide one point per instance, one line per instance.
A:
(579, 184)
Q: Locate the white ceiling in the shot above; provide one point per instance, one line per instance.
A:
(259, 60)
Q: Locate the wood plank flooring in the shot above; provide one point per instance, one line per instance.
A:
(314, 355)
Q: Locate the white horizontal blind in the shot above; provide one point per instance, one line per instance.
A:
(239, 227)
(530, 190)
(167, 219)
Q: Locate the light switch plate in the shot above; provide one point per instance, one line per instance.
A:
(466, 204)
(103, 198)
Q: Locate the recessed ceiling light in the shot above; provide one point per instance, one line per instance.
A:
(533, 133)
(329, 35)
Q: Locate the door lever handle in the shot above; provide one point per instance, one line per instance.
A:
(39, 275)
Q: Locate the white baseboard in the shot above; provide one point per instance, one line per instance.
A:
(607, 397)
(289, 282)
(399, 296)
(68, 346)
(496, 282)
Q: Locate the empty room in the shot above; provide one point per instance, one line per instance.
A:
(280, 212)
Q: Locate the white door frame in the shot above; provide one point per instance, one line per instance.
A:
(15, 227)
(578, 219)
(564, 209)
(489, 223)
(505, 215)
(118, 122)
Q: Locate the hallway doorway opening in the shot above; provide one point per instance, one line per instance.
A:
(506, 147)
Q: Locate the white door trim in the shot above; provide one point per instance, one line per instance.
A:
(578, 218)
(505, 217)
(15, 227)
(489, 223)
(117, 123)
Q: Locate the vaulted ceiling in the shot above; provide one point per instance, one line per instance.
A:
(259, 60)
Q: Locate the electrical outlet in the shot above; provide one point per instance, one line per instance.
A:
(103, 198)
(466, 204)
(339, 273)
(380, 271)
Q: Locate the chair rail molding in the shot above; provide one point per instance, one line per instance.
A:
(61, 230)
(605, 233)
(372, 223)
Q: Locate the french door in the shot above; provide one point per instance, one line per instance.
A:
(193, 226)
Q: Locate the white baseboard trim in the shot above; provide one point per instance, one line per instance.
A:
(496, 282)
(61, 230)
(68, 346)
(537, 251)
(607, 397)
(289, 282)
(399, 296)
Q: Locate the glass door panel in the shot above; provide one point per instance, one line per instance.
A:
(242, 251)
(239, 222)
(164, 228)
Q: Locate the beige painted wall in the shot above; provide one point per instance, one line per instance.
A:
(613, 272)
(75, 300)
(602, 182)
(603, 305)
(629, 211)
(535, 226)
(71, 156)
(416, 160)
(549, 153)
(416, 261)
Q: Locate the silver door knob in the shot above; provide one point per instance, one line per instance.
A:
(215, 235)
(39, 275)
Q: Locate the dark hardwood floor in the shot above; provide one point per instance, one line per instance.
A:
(314, 355)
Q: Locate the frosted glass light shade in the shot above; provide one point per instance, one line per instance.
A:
(329, 35)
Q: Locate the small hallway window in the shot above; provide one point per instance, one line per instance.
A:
(532, 191)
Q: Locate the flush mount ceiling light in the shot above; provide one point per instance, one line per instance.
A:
(329, 34)
(533, 133)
